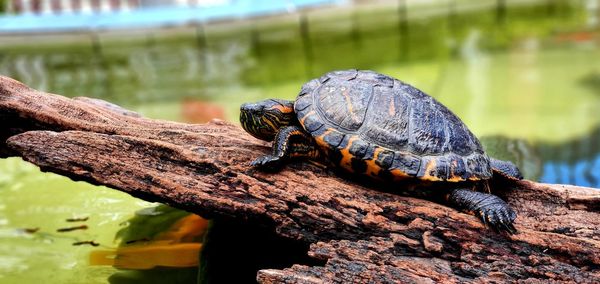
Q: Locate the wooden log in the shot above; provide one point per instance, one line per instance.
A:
(361, 234)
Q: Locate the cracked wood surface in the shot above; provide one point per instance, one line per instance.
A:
(361, 234)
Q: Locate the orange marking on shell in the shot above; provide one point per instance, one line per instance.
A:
(349, 104)
(321, 139)
(452, 176)
(372, 168)
(346, 161)
(428, 169)
(399, 174)
(392, 109)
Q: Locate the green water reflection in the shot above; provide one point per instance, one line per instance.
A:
(524, 78)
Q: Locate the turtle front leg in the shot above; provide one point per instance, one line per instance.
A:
(492, 210)
(290, 142)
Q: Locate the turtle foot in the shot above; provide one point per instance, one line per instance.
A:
(499, 216)
(267, 163)
(492, 210)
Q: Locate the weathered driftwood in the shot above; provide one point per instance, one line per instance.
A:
(362, 234)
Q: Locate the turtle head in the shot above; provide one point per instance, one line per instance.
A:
(263, 119)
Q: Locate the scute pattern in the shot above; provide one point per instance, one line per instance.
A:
(407, 163)
(372, 124)
(345, 103)
(427, 125)
(389, 125)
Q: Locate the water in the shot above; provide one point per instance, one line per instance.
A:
(524, 79)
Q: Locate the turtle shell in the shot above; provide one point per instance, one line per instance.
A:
(370, 123)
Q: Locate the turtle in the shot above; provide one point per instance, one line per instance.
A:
(379, 127)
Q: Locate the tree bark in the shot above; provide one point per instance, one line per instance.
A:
(361, 233)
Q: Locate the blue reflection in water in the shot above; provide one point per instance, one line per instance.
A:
(582, 172)
(575, 161)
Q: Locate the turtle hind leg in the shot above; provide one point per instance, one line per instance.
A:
(289, 142)
(492, 210)
(506, 169)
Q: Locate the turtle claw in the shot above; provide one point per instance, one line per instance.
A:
(484, 217)
(499, 217)
(510, 228)
(267, 162)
